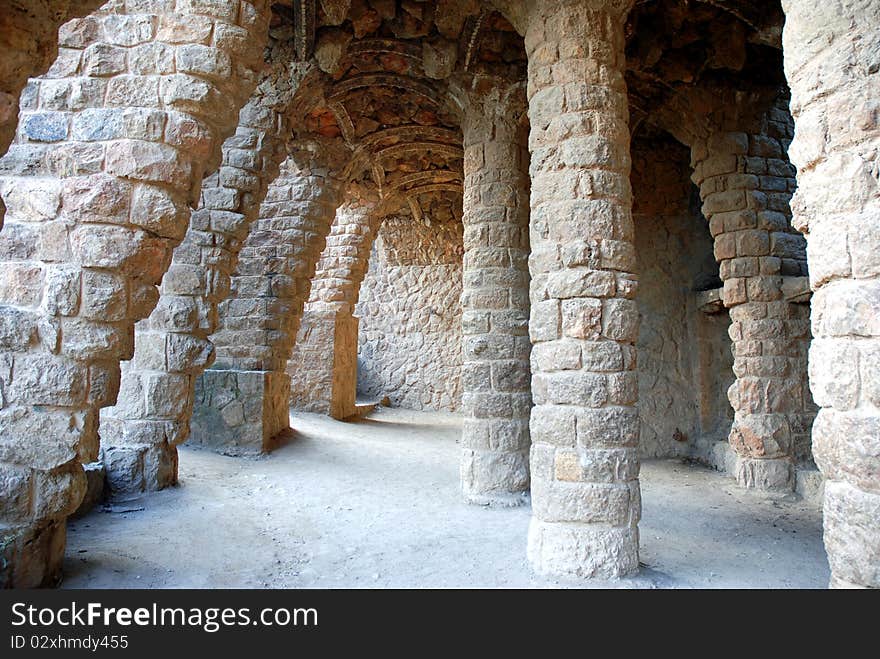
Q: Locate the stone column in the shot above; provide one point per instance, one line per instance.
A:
(745, 183)
(151, 417)
(831, 64)
(97, 189)
(323, 366)
(242, 402)
(496, 398)
(584, 321)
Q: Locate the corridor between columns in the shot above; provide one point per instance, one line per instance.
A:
(584, 233)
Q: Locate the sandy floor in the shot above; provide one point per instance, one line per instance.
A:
(376, 504)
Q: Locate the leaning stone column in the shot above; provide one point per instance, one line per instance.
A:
(97, 189)
(831, 64)
(745, 183)
(151, 417)
(495, 300)
(584, 321)
(323, 366)
(242, 402)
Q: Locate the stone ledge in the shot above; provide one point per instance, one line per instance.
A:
(710, 302)
(797, 289)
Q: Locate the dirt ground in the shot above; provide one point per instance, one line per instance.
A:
(375, 503)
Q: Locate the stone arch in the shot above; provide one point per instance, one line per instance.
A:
(242, 401)
(152, 416)
(172, 347)
(323, 365)
(97, 189)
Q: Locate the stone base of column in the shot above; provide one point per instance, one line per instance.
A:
(842, 584)
(323, 367)
(140, 468)
(31, 557)
(240, 412)
(583, 551)
(494, 478)
(851, 520)
(771, 475)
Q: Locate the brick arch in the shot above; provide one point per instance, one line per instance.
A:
(97, 189)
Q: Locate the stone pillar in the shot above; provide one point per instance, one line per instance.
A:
(151, 417)
(831, 64)
(242, 402)
(323, 366)
(97, 190)
(584, 321)
(746, 183)
(496, 396)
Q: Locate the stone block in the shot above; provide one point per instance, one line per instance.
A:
(240, 412)
(582, 550)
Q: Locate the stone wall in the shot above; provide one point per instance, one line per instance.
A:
(410, 318)
(684, 361)
(29, 39)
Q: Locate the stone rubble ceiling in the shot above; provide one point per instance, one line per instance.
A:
(388, 65)
(689, 59)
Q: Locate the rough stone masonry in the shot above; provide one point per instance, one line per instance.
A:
(598, 229)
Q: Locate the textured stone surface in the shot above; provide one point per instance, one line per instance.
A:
(685, 359)
(409, 115)
(99, 135)
(29, 39)
(323, 365)
(240, 412)
(495, 373)
(831, 51)
(745, 184)
(172, 346)
(409, 344)
(584, 426)
(260, 319)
